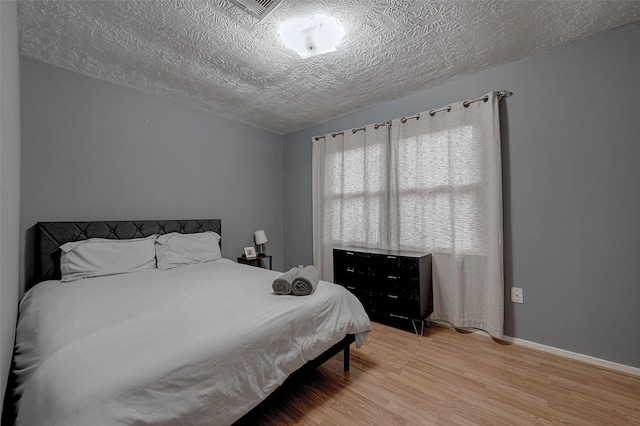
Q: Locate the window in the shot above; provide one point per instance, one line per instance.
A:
(355, 193)
(430, 183)
(438, 180)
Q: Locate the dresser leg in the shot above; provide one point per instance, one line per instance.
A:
(416, 328)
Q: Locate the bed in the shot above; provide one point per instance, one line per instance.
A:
(201, 343)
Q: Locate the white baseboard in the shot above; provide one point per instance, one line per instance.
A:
(552, 350)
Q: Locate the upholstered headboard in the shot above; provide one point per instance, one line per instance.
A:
(51, 235)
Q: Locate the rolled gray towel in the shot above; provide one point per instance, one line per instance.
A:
(283, 283)
(306, 281)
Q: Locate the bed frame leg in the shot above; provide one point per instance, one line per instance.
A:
(346, 357)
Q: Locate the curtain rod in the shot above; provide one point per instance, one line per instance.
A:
(500, 93)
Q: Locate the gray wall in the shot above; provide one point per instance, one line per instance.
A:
(571, 154)
(9, 183)
(92, 150)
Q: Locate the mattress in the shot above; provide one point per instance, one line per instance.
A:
(200, 344)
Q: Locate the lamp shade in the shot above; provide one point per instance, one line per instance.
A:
(260, 237)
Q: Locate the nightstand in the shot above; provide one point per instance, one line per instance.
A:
(258, 261)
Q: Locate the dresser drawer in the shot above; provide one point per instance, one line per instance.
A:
(394, 305)
(395, 267)
(363, 294)
(401, 287)
(399, 297)
(351, 268)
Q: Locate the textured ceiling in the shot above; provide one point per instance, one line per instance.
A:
(213, 56)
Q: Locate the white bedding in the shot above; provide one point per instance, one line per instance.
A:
(197, 345)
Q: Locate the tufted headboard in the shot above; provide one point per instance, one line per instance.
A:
(51, 235)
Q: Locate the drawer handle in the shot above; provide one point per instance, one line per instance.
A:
(392, 277)
(391, 257)
(392, 296)
(350, 253)
(350, 269)
(350, 287)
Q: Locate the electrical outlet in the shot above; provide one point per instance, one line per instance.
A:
(517, 295)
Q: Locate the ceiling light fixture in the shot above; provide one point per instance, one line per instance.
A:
(312, 36)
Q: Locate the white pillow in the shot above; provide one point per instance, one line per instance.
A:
(176, 249)
(96, 257)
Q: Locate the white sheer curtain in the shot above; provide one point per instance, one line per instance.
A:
(350, 192)
(446, 198)
(431, 184)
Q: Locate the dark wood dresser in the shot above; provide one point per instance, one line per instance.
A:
(390, 284)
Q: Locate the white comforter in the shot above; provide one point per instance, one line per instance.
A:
(197, 345)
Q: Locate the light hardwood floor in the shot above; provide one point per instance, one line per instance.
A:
(448, 377)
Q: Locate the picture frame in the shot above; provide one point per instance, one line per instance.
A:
(250, 252)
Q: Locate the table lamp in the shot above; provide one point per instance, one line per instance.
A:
(261, 239)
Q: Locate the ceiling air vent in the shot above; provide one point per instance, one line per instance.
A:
(257, 8)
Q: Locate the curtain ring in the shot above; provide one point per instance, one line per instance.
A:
(404, 119)
(432, 113)
(466, 104)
